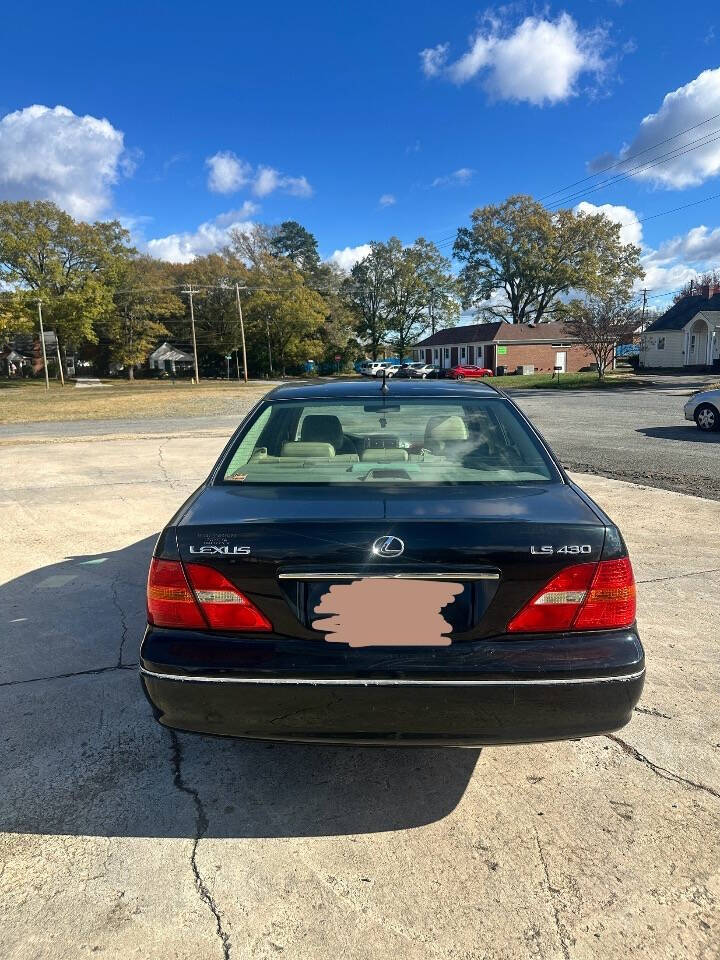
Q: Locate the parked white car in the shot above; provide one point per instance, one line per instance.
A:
(422, 370)
(390, 369)
(369, 367)
(704, 409)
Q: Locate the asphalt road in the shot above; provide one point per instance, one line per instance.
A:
(635, 435)
(121, 839)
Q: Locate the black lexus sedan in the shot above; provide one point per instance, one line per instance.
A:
(391, 563)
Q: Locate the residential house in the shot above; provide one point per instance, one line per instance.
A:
(169, 358)
(687, 336)
(543, 346)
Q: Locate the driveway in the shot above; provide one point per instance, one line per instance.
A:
(121, 839)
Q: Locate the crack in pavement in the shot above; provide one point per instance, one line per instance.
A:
(201, 825)
(560, 928)
(652, 712)
(76, 673)
(661, 771)
(680, 576)
(123, 620)
(162, 465)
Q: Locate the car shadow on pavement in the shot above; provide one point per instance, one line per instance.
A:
(81, 754)
(689, 433)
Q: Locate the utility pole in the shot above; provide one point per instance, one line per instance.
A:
(267, 328)
(42, 341)
(642, 320)
(432, 310)
(190, 292)
(242, 335)
(57, 349)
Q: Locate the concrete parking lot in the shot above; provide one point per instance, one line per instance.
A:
(122, 839)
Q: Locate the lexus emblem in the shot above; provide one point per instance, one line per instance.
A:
(388, 547)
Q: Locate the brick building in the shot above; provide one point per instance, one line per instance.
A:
(508, 345)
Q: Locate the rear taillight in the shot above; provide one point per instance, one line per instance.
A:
(611, 600)
(584, 597)
(224, 606)
(170, 602)
(202, 598)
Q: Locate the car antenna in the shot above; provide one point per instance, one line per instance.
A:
(384, 387)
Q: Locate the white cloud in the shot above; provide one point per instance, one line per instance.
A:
(349, 256)
(433, 59)
(682, 258)
(686, 107)
(267, 180)
(209, 237)
(227, 172)
(699, 245)
(387, 200)
(631, 231)
(53, 154)
(540, 61)
(455, 179)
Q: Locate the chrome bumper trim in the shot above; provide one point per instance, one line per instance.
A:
(400, 575)
(383, 682)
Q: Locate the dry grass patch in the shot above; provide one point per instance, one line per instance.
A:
(120, 400)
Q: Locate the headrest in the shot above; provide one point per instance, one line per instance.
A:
(300, 448)
(384, 454)
(446, 428)
(322, 428)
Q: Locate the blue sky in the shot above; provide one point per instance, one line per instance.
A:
(362, 120)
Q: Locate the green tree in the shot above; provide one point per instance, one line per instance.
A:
(217, 324)
(293, 241)
(287, 316)
(521, 259)
(14, 318)
(71, 266)
(142, 301)
(366, 292)
(421, 292)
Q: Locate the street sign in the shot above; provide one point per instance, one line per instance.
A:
(338, 358)
(228, 356)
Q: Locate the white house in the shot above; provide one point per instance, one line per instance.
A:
(685, 336)
(166, 356)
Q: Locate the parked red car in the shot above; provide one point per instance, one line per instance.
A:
(463, 370)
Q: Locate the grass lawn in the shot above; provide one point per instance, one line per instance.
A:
(569, 381)
(27, 401)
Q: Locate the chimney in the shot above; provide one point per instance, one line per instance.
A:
(715, 290)
(704, 291)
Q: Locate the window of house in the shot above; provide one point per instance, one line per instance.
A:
(661, 343)
(462, 352)
(436, 353)
(447, 351)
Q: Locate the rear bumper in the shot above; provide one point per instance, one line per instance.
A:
(462, 710)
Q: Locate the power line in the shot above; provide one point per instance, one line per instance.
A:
(632, 156)
(621, 177)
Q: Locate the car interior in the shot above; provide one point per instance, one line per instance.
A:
(414, 438)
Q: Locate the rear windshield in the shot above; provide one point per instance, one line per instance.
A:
(388, 441)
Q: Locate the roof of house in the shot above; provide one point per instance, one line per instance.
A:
(166, 352)
(499, 332)
(682, 312)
